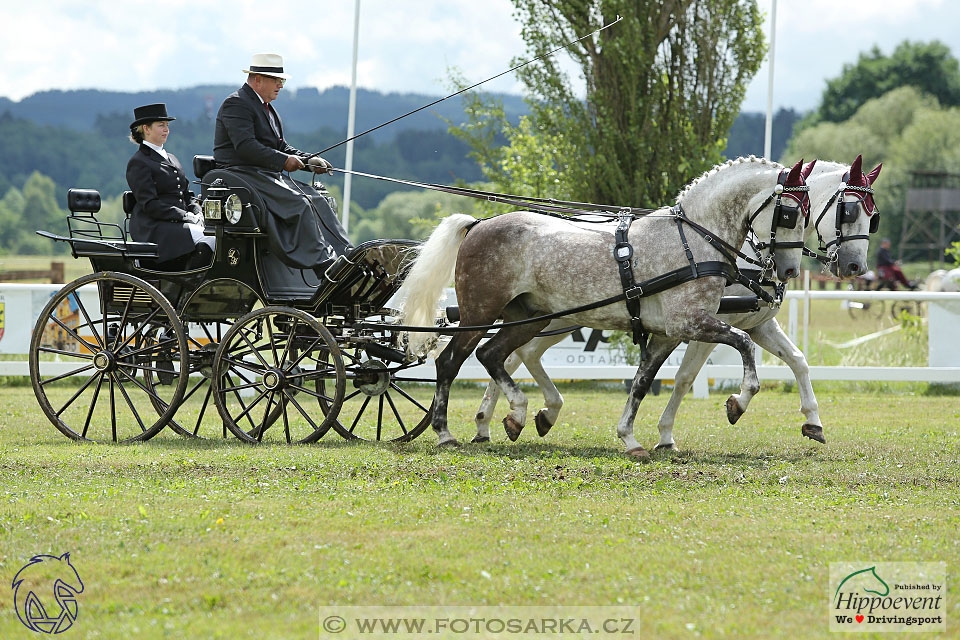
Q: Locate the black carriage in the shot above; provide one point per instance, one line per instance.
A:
(283, 354)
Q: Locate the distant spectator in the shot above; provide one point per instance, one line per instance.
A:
(889, 269)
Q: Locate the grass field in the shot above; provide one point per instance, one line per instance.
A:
(731, 536)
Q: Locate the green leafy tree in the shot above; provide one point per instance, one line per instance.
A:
(905, 129)
(663, 86)
(930, 67)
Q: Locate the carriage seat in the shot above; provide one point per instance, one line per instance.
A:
(90, 237)
(202, 165)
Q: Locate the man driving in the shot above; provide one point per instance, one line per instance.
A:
(302, 228)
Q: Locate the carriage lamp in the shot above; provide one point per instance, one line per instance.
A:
(211, 209)
(234, 208)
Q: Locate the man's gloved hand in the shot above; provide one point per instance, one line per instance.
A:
(319, 165)
(193, 218)
(293, 163)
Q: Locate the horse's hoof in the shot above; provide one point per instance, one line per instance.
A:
(666, 447)
(733, 410)
(480, 439)
(543, 425)
(512, 427)
(449, 444)
(639, 454)
(814, 432)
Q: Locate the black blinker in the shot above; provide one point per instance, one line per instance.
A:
(787, 216)
(849, 212)
(875, 222)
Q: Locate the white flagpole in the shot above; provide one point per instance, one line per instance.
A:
(768, 128)
(351, 118)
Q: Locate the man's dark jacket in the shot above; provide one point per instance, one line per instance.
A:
(164, 200)
(302, 228)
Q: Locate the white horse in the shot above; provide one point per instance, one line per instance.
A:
(847, 237)
(524, 265)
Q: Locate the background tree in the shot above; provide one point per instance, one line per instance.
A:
(930, 67)
(905, 129)
(663, 86)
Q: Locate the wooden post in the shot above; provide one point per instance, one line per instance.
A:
(56, 273)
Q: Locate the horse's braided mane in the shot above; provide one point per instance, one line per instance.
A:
(721, 167)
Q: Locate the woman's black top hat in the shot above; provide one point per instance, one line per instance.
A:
(150, 113)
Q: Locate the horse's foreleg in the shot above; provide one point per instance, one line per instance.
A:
(448, 364)
(771, 337)
(703, 327)
(493, 355)
(532, 353)
(658, 350)
(693, 360)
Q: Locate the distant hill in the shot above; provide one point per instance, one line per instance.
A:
(305, 110)
(78, 137)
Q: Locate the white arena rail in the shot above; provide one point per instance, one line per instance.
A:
(585, 356)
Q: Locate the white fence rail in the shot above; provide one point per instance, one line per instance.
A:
(585, 354)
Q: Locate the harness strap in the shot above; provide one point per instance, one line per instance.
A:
(623, 254)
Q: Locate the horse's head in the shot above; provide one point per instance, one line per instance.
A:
(780, 220)
(848, 215)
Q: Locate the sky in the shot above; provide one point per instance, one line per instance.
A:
(133, 45)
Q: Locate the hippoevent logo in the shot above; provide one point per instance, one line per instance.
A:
(45, 593)
(888, 596)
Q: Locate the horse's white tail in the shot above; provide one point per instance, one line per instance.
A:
(432, 270)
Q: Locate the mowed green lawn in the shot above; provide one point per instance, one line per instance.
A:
(731, 536)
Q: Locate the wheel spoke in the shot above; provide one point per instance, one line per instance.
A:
(240, 400)
(273, 342)
(61, 352)
(93, 403)
(66, 375)
(203, 409)
(286, 347)
(126, 396)
(76, 395)
(363, 408)
(91, 347)
(266, 414)
(254, 349)
(286, 421)
(380, 418)
(139, 331)
(247, 409)
(408, 397)
(113, 409)
(396, 413)
(123, 320)
(101, 341)
(293, 400)
(315, 394)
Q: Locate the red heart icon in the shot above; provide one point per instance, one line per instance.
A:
(859, 618)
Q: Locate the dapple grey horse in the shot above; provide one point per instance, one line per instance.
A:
(847, 258)
(522, 265)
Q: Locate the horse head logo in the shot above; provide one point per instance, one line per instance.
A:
(867, 580)
(43, 577)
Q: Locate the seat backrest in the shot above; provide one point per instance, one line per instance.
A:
(202, 165)
(83, 200)
(128, 201)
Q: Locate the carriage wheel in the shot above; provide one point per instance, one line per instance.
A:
(384, 402)
(88, 366)
(197, 416)
(866, 309)
(272, 371)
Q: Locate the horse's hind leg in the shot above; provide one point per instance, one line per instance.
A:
(771, 337)
(658, 350)
(448, 363)
(493, 354)
(529, 354)
(693, 360)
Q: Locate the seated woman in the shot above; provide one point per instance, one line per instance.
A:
(166, 211)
